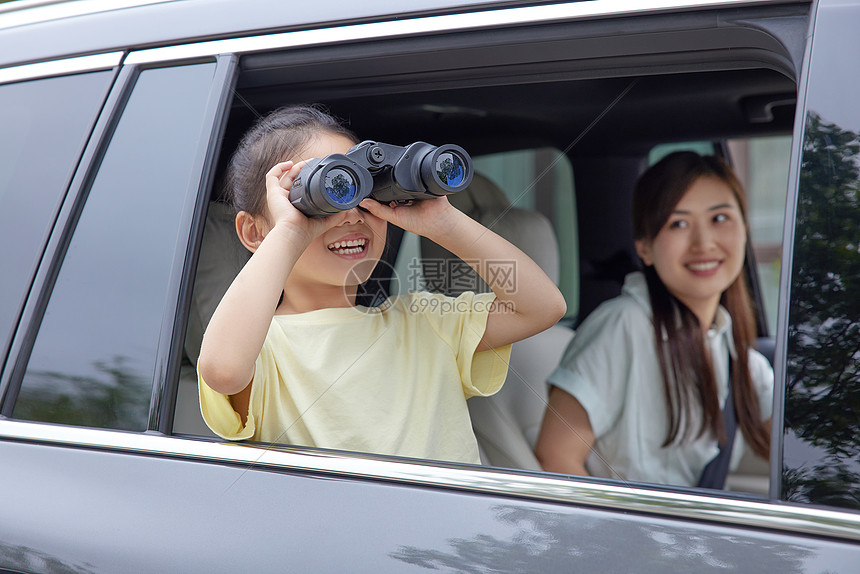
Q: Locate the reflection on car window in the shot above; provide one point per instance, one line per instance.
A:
(821, 460)
(40, 119)
(94, 357)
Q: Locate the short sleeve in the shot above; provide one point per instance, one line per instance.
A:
(461, 323)
(218, 412)
(596, 368)
(762, 376)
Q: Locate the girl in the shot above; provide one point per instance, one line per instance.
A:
(642, 384)
(289, 357)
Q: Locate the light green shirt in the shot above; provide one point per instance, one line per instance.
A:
(611, 368)
(389, 380)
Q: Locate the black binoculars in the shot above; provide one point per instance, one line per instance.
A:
(383, 172)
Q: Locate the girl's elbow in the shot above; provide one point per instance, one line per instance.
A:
(221, 378)
(555, 308)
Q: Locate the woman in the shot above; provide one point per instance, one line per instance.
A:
(640, 389)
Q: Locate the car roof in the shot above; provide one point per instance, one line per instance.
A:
(39, 30)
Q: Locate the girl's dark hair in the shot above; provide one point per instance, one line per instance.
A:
(273, 138)
(688, 374)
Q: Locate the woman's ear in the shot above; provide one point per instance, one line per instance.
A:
(643, 248)
(251, 230)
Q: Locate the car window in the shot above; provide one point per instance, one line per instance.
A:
(45, 124)
(605, 120)
(94, 357)
(821, 456)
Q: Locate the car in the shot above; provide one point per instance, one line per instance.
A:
(117, 122)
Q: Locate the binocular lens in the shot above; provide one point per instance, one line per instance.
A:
(451, 168)
(340, 186)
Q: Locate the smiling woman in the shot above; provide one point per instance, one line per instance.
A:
(657, 416)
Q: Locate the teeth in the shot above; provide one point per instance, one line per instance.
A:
(350, 243)
(348, 247)
(703, 266)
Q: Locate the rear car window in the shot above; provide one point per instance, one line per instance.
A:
(94, 357)
(45, 124)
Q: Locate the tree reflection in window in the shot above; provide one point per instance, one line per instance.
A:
(115, 398)
(823, 351)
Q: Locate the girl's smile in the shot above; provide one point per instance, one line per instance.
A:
(351, 246)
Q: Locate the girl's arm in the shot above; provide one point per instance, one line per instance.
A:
(240, 323)
(527, 301)
(566, 436)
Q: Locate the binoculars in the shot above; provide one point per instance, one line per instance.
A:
(383, 172)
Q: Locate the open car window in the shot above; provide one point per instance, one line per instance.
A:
(562, 123)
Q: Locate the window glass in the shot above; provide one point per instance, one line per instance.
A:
(45, 124)
(821, 451)
(94, 356)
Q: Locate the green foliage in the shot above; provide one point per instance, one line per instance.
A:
(823, 371)
(118, 399)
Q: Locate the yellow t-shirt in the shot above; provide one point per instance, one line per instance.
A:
(387, 380)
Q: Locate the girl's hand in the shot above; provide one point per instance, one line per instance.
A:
(279, 180)
(430, 218)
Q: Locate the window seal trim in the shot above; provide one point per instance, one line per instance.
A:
(93, 63)
(446, 23)
(770, 515)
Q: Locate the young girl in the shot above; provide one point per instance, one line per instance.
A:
(289, 357)
(642, 385)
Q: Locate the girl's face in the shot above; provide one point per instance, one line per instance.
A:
(700, 250)
(346, 253)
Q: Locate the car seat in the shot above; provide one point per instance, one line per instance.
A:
(222, 256)
(506, 424)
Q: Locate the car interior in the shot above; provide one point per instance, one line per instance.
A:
(560, 125)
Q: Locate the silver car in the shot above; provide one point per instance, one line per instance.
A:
(116, 121)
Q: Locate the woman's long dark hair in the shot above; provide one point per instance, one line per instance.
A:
(688, 374)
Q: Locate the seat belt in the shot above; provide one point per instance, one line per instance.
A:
(715, 472)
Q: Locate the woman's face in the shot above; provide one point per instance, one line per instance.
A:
(700, 250)
(346, 253)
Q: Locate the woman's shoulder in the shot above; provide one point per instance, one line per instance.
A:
(631, 308)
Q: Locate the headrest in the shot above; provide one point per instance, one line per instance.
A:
(484, 202)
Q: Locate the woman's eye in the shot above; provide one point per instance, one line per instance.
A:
(677, 224)
(720, 217)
